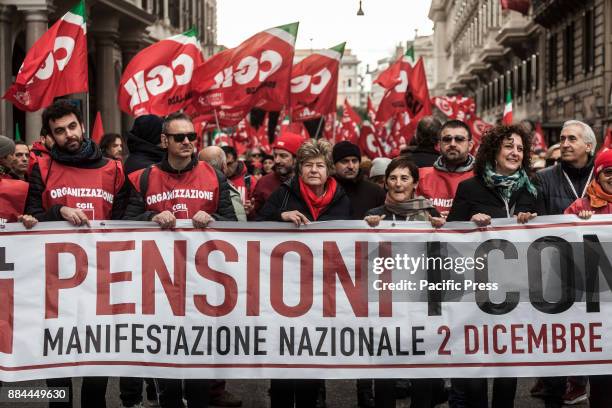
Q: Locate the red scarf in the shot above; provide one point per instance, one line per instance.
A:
(315, 203)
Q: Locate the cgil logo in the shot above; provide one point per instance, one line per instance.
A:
(317, 82)
(247, 69)
(159, 79)
(62, 52)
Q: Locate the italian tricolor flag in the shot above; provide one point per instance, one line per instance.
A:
(507, 119)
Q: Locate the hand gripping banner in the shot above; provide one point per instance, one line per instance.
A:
(330, 300)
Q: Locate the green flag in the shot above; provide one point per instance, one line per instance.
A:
(17, 133)
(410, 53)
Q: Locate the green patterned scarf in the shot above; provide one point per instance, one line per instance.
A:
(508, 185)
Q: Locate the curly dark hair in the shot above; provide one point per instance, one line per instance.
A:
(491, 142)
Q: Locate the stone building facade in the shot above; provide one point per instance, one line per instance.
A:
(116, 30)
(555, 60)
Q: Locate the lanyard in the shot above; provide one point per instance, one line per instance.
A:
(572, 185)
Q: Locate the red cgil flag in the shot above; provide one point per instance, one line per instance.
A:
(349, 129)
(314, 84)
(98, 130)
(418, 102)
(522, 6)
(538, 142)
(257, 73)
(607, 143)
(56, 64)
(158, 80)
(395, 80)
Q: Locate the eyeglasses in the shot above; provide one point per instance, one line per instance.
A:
(449, 139)
(179, 137)
(607, 172)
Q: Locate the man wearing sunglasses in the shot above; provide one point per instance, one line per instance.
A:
(180, 186)
(455, 164)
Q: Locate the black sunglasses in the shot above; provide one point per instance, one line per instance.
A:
(179, 137)
(449, 139)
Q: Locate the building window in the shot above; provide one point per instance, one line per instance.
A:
(349, 82)
(568, 51)
(552, 60)
(528, 75)
(588, 41)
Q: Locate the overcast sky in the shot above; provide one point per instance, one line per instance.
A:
(325, 23)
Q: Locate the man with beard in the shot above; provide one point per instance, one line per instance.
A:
(439, 183)
(363, 194)
(77, 184)
(284, 151)
(180, 171)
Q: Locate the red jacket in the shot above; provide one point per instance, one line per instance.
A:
(38, 150)
(585, 204)
(263, 190)
(13, 194)
(440, 186)
(244, 182)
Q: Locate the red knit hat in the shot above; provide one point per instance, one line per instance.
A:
(603, 160)
(288, 141)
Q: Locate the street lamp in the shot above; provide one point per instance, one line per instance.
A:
(360, 11)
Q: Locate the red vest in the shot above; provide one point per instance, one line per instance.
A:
(182, 194)
(440, 186)
(91, 190)
(13, 194)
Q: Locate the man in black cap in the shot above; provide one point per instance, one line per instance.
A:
(364, 195)
(144, 143)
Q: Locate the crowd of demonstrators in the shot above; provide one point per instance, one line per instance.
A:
(306, 181)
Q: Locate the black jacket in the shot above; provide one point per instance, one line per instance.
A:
(142, 154)
(474, 196)
(554, 192)
(136, 209)
(34, 203)
(288, 198)
(363, 195)
(422, 157)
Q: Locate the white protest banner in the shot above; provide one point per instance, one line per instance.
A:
(330, 300)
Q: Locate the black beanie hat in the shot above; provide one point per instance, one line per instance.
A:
(149, 128)
(345, 149)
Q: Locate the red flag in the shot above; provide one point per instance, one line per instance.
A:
(158, 80)
(446, 105)
(98, 130)
(369, 143)
(395, 80)
(314, 84)
(522, 6)
(478, 128)
(56, 64)
(254, 74)
(607, 143)
(538, 142)
(418, 102)
(329, 129)
(350, 119)
(371, 110)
